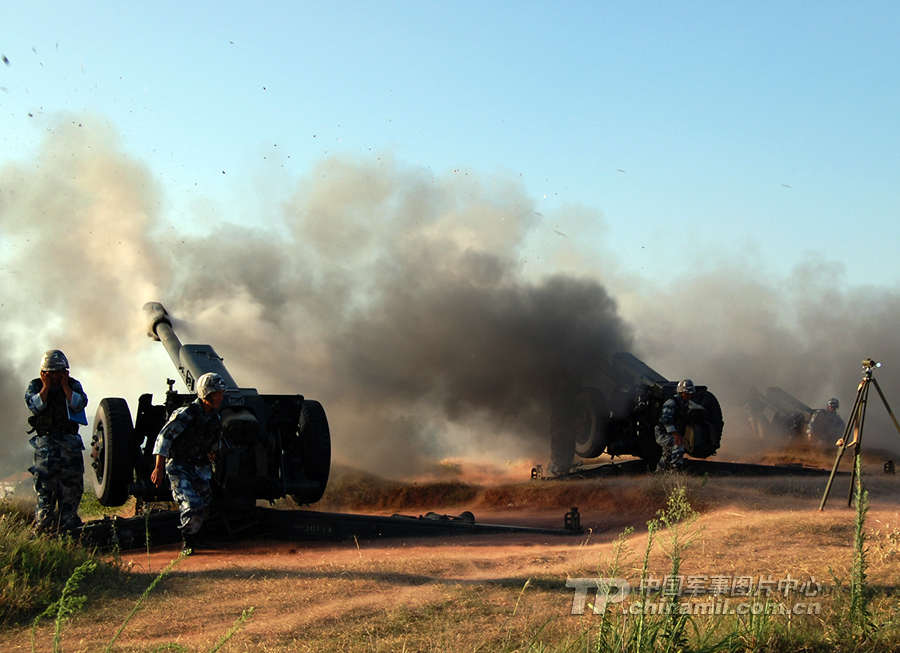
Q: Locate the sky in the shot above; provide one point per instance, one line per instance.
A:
(654, 147)
(767, 127)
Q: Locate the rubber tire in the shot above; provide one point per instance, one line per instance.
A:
(590, 422)
(315, 444)
(710, 429)
(113, 423)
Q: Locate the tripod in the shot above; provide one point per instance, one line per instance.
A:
(855, 426)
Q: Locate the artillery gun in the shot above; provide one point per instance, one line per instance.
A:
(271, 445)
(616, 412)
(777, 416)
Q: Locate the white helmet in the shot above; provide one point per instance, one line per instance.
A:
(209, 383)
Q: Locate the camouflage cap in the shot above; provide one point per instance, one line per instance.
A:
(685, 385)
(53, 361)
(209, 383)
(833, 403)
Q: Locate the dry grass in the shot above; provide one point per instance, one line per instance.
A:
(466, 593)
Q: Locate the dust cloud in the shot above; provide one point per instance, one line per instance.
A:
(733, 329)
(395, 297)
(75, 257)
(400, 299)
(14, 448)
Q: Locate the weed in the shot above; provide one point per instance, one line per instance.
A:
(143, 596)
(236, 626)
(34, 569)
(677, 517)
(860, 617)
(524, 587)
(886, 541)
(652, 528)
(68, 604)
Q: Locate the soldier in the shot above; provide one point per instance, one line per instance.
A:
(826, 425)
(56, 401)
(672, 422)
(185, 446)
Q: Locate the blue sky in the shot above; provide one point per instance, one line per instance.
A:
(691, 127)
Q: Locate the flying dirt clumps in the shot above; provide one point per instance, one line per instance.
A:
(396, 297)
(398, 300)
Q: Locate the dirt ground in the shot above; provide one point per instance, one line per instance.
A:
(485, 592)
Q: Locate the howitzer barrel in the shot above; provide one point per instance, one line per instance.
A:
(191, 361)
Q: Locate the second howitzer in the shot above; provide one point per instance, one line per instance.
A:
(271, 445)
(616, 411)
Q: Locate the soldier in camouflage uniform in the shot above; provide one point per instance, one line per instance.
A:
(56, 401)
(184, 447)
(826, 425)
(672, 423)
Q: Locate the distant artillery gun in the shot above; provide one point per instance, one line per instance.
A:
(778, 416)
(616, 412)
(271, 445)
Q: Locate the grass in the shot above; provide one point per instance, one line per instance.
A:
(371, 601)
(66, 605)
(91, 508)
(34, 570)
(851, 623)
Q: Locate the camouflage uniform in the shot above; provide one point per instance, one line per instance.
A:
(58, 463)
(825, 426)
(185, 441)
(673, 419)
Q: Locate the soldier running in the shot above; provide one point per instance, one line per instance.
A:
(185, 447)
(56, 401)
(672, 423)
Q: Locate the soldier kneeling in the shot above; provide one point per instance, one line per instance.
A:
(826, 426)
(672, 422)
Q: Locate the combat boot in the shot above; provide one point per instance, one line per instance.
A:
(188, 543)
(71, 526)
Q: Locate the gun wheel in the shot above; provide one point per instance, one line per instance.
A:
(315, 445)
(111, 451)
(705, 434)
(591, 418)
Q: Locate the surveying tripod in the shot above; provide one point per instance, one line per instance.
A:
(855, 426)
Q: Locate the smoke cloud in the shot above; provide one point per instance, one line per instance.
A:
(396, 298)
(401, 300)
(734, 330)
(76, 253)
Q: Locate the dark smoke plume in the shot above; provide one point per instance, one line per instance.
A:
(401, 300)
(398, 300)
(394, 297)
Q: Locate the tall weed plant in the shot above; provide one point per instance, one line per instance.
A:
(860, 615)
(848, 627)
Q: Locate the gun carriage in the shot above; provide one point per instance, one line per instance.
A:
(617, 410)
(271, 446)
